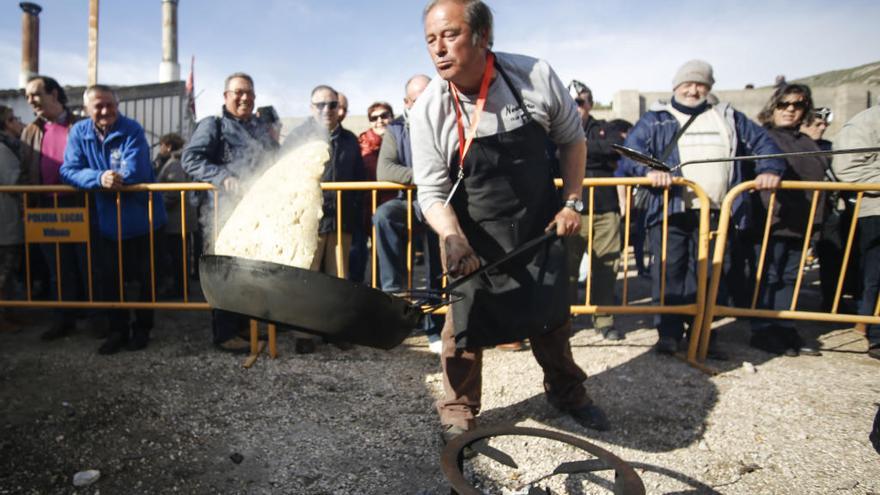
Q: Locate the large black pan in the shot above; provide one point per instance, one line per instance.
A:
(320, 304)
(306, 300)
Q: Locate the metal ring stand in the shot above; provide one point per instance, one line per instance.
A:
(626, 481)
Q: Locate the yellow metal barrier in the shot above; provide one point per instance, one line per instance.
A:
(714, 310)
(27, 193)
(695, 309)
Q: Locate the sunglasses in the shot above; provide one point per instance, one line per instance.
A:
(798, 105)
(321, 105)
(383, 116)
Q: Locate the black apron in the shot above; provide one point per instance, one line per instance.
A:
(507, 197)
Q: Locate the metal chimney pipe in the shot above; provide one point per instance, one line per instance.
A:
(30, 42)
(169, 69)
(93, 42)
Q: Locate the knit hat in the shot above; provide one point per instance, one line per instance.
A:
(694, 71)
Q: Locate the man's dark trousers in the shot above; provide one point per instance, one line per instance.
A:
(869, 232)
(136, 274)
(681, 268)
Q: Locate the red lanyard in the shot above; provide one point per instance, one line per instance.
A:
(465, 144)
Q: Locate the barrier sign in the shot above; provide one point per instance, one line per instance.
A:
(56, 225)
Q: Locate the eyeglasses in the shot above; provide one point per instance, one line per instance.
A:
(238, 93)
(383, 116)
(321, 105)
(798, 105)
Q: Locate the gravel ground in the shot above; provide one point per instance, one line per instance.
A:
(181, 417)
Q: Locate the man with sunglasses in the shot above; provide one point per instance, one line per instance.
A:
(345, 165)
(690, 127)
(226, 150)
(485, 179)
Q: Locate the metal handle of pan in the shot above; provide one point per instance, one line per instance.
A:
(429, 300)
(537, 241)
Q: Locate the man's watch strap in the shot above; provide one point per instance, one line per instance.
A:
(575, 204)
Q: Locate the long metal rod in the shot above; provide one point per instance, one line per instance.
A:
(699, 343)
(656, 164)
(851, 151)
(58, 274)
(409, 239)
(807, 236)
(373, 253)
(340, 264)
(152, 249)
(795, 315)
(119, 245)
(764, 242)
(665, 237)
(27, 247)
(626, 234)
(591, 222)
(89, 252)
(847, 252)
(183, 249)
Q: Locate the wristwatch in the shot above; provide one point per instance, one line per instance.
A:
(575, 204)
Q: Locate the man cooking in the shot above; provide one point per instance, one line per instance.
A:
(485, 183)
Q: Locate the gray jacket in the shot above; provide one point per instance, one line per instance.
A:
(11, 229)
(172, 171)
(862, 131)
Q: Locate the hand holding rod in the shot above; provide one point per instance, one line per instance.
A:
(551, 234)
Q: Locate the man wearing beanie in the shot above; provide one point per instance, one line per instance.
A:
(691, 128)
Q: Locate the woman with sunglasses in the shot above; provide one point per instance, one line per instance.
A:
(380, 115)
(11, 233)
(788, 108)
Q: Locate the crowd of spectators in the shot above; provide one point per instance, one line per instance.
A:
(106, 150)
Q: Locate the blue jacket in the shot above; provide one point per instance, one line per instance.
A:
(656, 129)
(124, 149)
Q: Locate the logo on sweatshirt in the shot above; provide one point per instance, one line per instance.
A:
(515, 113)
(116, 162)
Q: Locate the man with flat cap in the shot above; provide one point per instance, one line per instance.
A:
(691, 127)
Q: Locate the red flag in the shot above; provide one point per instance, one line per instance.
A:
(190, 89)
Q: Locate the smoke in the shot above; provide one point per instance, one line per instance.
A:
(274, 216)
(277, 220)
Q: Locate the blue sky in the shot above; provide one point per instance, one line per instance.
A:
(369, 49)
